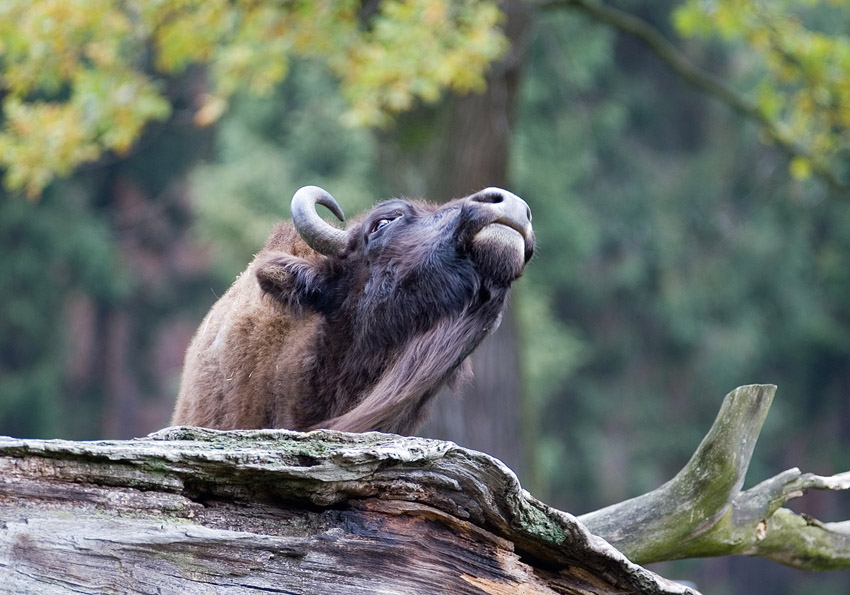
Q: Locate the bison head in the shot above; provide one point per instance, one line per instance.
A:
(403, 265)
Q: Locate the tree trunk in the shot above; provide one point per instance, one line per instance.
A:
(144, 196)
(473, 154)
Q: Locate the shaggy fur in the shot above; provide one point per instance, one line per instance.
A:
(361, 340)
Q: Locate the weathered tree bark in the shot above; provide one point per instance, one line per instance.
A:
(195, 511)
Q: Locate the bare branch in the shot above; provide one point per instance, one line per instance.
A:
(702, 80)
(758, 526)
(652, 527)
(701, 511)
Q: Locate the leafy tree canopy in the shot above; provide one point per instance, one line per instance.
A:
(802, 61)
(83, 77)
(792, 77)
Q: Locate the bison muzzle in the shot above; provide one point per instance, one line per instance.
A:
(356, 329)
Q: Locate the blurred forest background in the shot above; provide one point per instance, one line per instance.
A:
(694, 230)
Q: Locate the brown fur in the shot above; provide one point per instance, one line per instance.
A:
(359, 341)
(248, 342)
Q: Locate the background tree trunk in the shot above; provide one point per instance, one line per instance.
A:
(145, 198)
(473, 154)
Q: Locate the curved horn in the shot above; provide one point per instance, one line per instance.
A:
(320, 235)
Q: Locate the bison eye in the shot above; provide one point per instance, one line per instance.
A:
(381, 223)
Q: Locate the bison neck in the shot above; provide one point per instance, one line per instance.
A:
(363, 385)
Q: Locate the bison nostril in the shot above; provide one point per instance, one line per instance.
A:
(501, 206)
(489, 197)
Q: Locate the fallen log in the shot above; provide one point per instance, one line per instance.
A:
(199, 511)
(192, 510)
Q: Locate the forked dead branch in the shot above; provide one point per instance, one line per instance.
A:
(703, 512)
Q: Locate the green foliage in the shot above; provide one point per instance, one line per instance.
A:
(413, 50)
(676, 262)
(799, 55)
(71, 88)
(81, 78)
(267, 147)
(52, 251)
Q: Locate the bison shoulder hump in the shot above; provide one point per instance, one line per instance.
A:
(285, 238)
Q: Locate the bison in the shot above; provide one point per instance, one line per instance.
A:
(356, 330)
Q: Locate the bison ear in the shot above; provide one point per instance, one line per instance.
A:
(298, 283)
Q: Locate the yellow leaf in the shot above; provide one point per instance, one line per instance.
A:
(210, 111)
(801, 168)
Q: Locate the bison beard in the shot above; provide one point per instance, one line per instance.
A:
(356, 330)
